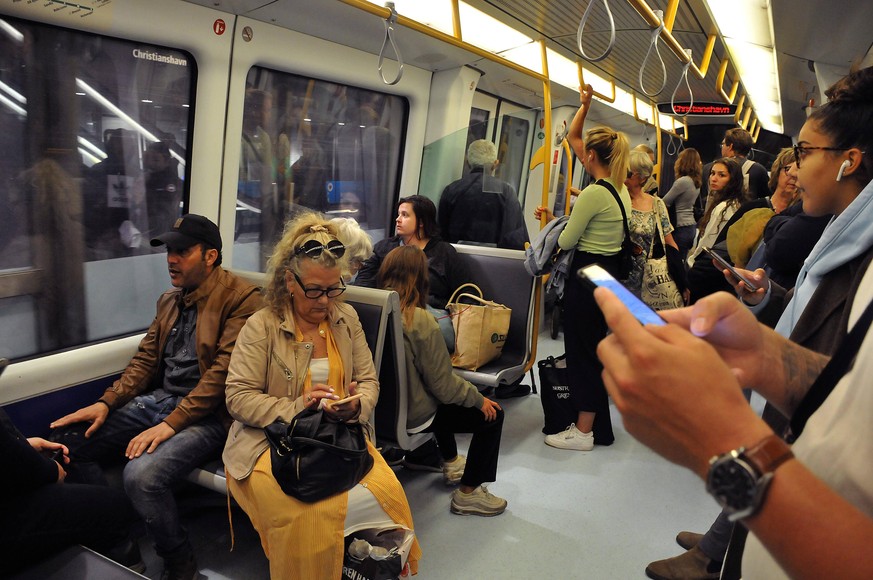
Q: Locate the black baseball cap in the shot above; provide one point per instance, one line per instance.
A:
(189, 230)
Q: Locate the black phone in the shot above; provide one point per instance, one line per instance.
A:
(596, 275)
(57, 455)
(727, 265)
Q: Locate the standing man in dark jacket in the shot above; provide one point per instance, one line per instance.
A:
(166, 413)
(479, 208)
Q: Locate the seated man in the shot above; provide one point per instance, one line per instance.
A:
(166, 413)
(480, 208)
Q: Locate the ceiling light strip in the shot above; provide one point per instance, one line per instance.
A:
(443, 37)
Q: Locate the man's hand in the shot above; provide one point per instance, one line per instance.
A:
(489, 409)
(95, 414)
(148, 440)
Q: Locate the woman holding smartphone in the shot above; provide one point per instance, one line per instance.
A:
(306, 350)
(595, 231)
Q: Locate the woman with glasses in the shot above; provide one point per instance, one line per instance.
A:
(440, 401)
(646, 208)
(305, 350)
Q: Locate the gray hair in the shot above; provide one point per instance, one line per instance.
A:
(354, 238)
(641, 164)
(481, 153)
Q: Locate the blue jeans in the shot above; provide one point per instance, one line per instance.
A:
(150, 478)
(444, 319)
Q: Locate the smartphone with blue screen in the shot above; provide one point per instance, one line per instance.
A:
(596, 276)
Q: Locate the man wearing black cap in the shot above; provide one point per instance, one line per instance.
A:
(166, 413)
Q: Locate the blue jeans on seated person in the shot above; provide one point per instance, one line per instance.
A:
(150, 478)
(444, 319)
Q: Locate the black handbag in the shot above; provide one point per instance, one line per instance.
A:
(314, 457)
(558, 412)
(629, 248)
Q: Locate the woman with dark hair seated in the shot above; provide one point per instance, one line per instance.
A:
(440, 401)
(416, 225)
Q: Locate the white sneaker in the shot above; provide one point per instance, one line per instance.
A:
(454, 470)
(572, 438)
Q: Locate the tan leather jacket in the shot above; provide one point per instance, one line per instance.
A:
(224, 302)
(266, 376)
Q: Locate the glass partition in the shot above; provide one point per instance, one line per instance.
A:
(476, 203)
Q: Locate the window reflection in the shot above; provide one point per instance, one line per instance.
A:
(93, 148)
(318, 145)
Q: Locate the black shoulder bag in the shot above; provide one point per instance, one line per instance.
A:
(314, 457)
(629, 249)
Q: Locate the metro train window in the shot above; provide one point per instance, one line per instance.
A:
(94, 135)
(319, 145)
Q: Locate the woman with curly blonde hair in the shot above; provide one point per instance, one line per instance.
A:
(306, 350)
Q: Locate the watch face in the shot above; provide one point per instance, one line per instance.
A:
(734, 483)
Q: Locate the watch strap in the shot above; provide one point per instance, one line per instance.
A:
(768, 454)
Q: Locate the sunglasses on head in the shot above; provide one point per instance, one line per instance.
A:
(314, 248)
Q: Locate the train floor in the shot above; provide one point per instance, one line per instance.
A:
(603, 514)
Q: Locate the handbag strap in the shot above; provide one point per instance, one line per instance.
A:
(458, 289)
(611, 189)
(657, 210)
(830, 376)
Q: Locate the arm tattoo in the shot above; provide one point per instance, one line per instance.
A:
(801, 367)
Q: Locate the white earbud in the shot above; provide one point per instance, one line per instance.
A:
(846, 164)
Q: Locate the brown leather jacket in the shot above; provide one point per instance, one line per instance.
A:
(224, 303)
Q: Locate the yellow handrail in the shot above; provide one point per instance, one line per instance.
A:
(719, 83)
(596, 94)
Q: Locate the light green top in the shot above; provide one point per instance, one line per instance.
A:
(595, 222)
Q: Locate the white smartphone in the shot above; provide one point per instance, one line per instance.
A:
(596, 275)
(726, 265)
(341, 401)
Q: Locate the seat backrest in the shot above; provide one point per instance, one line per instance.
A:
(501, 276)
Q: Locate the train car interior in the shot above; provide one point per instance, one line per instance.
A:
(119, 116)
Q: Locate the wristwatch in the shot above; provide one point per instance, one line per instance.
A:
(738, 479)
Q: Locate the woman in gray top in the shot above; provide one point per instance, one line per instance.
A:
(682, 196)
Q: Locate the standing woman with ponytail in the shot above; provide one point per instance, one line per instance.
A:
(595, 230)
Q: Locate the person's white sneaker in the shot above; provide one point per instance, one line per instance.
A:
(453, 470)
(571, 438)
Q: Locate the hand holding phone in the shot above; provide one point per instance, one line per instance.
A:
(595, 275)
(329, 403)
(727, 266)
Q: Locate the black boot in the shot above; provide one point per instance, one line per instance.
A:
(181, 565)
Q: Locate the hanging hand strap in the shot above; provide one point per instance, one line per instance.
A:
(683, 76)
(582, 23)
(653, 44)
(389, 36)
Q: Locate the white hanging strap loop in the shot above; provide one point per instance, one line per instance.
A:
(656, 34)
(684, 76)
(584, 21)
(389, 35)
(671, 146)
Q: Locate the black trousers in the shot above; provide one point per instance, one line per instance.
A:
(54, 517)
(584, 328)
(484, 447)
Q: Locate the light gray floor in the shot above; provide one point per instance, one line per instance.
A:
(602, 514)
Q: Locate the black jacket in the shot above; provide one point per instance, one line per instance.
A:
(445, 270)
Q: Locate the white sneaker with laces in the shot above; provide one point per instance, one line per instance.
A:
(454, 470)
(572, 438)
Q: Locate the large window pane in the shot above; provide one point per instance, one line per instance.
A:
(314, 144)
(94, 135)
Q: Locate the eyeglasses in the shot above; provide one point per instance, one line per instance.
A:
(314, 248)
(630, 174)
(315, 293)
(801, 151)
